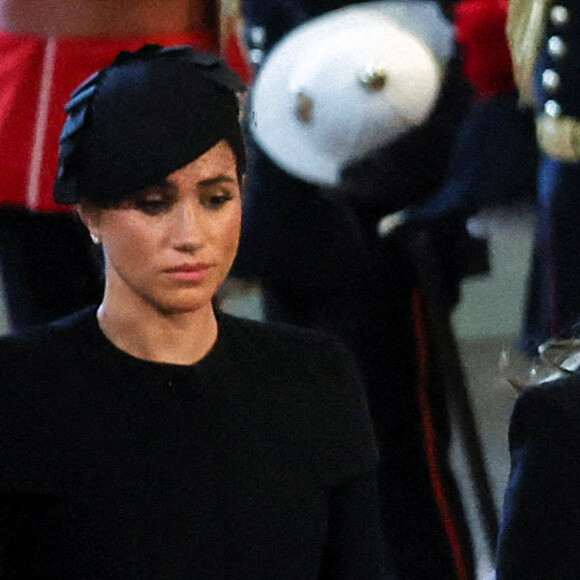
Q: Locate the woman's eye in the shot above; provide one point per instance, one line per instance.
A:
(152, 206)
(216, 201)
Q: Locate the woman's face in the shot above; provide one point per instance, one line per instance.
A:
(171, 245)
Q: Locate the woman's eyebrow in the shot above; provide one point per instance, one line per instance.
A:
(167, 185)
(217, 181)
(163, 184)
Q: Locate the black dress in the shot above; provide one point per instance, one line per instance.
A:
(255, 463)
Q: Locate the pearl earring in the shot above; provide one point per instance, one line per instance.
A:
(95, 238)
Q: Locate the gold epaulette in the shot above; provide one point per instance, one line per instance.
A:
(559, 137)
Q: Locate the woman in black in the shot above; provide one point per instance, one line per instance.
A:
(151, 436)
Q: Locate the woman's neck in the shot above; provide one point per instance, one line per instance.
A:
(181, 338)
(106, 17)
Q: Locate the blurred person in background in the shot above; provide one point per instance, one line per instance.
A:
(540, 531)
(493, 161)
(321, 264)
(544, 42)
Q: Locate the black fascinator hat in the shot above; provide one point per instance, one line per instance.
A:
(143, 117)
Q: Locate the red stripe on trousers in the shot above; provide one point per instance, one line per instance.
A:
(430, 437)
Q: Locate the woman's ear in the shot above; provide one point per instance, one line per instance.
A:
(90, 215)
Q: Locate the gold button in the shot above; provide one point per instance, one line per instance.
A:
(373, 78)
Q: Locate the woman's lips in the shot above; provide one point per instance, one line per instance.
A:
(193, 273)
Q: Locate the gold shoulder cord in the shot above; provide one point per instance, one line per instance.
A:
(230, 20)
(525, 25)
(558, 137)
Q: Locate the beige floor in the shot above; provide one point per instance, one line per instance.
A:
(492, 399)
(487, 324)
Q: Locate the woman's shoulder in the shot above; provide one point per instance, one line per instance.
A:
(309, 380)
(274, 331)
(303, 367)
(47, 341)
(268, 338)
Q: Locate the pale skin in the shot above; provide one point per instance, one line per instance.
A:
(107, 17)
(167, 250)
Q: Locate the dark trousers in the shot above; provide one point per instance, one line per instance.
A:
(553, 303)
(48, 266)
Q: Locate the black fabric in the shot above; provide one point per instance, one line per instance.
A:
(256, 463)
(143, 117)
(49, 266)
(277, 17)
(540, 532)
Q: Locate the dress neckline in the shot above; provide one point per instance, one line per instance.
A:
(135, 361)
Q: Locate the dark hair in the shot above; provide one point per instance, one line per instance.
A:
(143, 117)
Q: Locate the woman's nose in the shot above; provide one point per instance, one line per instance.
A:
(187, 227)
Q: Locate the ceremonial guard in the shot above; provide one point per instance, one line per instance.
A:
(315, 251)
(546, 55)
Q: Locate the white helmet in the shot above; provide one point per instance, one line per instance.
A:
(347, 82)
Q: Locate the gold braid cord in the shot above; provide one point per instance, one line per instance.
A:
(558, 137)
(230, 20)
(525, 25)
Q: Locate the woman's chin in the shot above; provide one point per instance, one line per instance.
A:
(184, 306)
